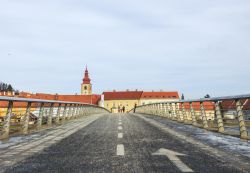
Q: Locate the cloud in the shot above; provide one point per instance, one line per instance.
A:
(191, 46)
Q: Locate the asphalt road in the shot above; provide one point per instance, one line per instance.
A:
(109, 145)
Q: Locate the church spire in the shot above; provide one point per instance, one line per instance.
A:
(86, 79)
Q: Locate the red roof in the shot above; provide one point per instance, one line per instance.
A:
(91, 99)
(196, 105)
(122, 95)
(159, 95)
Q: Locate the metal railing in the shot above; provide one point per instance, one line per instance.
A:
(20, 115)
(227, 115)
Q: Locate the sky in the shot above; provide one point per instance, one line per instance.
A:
(194, 47)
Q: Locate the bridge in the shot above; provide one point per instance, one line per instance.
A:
(171, 136)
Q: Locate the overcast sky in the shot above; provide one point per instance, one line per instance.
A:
(191, 46)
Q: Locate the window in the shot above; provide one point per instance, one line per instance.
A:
(85, 87)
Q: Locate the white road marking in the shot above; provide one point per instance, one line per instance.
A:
(172, 156)
(120, 123)
(119, 127)
(120, 135)
(120, 150)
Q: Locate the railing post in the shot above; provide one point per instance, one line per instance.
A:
(74, 111)
(159, 109)
(169, 111)
(64, 112)
(69, 112)
(194, 121)
(152, 109)
(184, 113)
(179, 115)
(40, 116)
(72, 114)
(25, 119)
(77, 111)
(86, 110)
(203, 115)
(219, 117)
(241, 120)
(6, 122)
(58, 113)
(173, 114)
(164, 109)
(49, 118)
(81, 111)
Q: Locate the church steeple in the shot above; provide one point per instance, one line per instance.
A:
(86, 87)
(86, 79)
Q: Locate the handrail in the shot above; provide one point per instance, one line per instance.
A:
(213, 99)
(19, 99)
(64, 110)
(183, 111)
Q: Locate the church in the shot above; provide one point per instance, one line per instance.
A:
(86, 95)
(111, 100)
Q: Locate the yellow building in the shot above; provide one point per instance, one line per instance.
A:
(116, 100)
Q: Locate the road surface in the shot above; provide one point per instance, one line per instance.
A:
(124, 143)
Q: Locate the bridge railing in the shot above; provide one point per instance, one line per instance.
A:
(21, 115)
(227, 115)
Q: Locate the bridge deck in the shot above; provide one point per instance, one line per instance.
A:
(118, 143)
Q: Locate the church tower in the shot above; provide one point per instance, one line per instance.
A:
(86, 87)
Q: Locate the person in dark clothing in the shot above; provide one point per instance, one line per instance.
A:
(135, 107)
(123, 109)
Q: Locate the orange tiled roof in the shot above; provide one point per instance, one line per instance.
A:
(160, 95)
(196, 105)
(122, 95)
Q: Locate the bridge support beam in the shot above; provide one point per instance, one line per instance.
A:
(75, 109)
(64, 113)
(184, 113)
(161, 112)
(40, 117)
(173, 117)
(169, 111)
(25, 119)
(58, 113)
(194, 121)
(49, 119)
(6, 121)
(178, 113)
(241, 120)
(165, 110)
(69, 113)
(203, 115)
(219, 117)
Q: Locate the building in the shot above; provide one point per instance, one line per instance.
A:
(115, 100)
(155, 97)
(86, 86)
(129, 99)
(85, 97)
